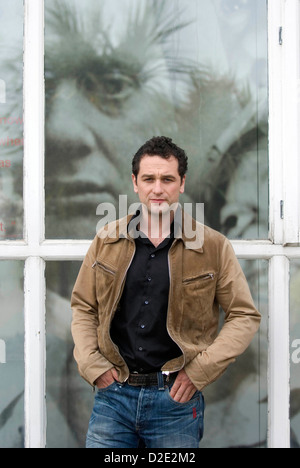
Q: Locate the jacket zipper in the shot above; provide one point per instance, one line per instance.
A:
(118, 298)
(167, 373)
(207, 276)
(103, 267)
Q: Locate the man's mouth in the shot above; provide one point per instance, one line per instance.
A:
(158, 200)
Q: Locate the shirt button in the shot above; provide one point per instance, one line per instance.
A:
(146, 302)
(152, 255)
(140, 348)
(149, 279)
(143, 326)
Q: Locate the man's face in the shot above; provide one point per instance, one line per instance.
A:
(99, 109)
(113, 89)
(158, 183)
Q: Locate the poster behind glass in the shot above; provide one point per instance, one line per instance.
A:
(11, 119)
(69, 397)
(121, 71)
(11, 355)
(295, 354)
(236, 405)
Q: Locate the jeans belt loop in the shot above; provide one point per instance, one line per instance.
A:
(160, 380)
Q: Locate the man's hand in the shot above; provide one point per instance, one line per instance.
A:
(183, 389)
(106, 379)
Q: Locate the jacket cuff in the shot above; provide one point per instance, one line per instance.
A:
(92, 371)
(196, 371)
(196, 374)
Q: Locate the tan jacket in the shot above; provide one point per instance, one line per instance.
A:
(201, 280)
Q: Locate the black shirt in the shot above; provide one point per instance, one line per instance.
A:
(139, 327)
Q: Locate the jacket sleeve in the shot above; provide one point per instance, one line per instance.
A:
(242, 321)
(91, 364)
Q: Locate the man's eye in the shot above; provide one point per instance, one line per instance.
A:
(118, 86)
(109, 86)
(108, 91)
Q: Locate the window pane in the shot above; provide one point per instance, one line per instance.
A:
(11, 355)
(119, 72)
(11, 119)
(236, 404)
(69, 398)
(295, 354)
(239, 397)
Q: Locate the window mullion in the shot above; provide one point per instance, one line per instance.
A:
(34, 119)
(275, 60)
(34, 289)
(35, 337)
(279, 356)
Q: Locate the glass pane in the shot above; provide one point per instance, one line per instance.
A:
(295, 354)
(11, 355)
(239, 397)
(69, 398)
(236, 404)
(11, 119)
(119, 72)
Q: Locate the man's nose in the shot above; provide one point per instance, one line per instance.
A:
(157, 187)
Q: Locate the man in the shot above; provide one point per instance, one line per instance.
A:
(146, 314)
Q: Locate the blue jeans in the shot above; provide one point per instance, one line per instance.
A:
(134, 417)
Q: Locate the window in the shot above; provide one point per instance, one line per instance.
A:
(221, 78)
(12, 355)
(11, 121)
(195, 71)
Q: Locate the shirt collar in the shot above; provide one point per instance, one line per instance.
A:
(126, 228)
(133, 227)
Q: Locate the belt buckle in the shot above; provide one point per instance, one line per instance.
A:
(135, 379)
(140, 380)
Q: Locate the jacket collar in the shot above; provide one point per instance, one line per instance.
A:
(186, 229)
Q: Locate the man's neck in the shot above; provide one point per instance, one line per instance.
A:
(157, 227)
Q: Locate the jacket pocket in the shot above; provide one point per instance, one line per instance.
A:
(199, 290)
(105, 278)
(202, 277)
(106, 268)
(198, 306)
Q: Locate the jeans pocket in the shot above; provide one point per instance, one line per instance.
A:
(105, 389)
(194, 398)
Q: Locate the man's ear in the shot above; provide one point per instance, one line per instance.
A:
(182, 187)
(134, 181)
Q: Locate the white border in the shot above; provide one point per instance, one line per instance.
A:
(284, 166)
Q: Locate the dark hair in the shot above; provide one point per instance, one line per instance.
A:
(163, 147)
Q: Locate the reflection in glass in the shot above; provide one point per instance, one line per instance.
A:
(11, 119)
(295, 354)
(11, 355)
(69, 398)
(119, 72)
(236, 405)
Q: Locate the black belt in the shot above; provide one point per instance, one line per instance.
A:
(147, 380)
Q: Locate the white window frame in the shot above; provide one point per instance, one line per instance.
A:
(283, 246)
